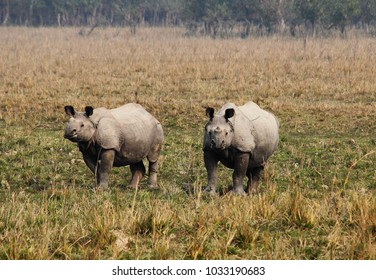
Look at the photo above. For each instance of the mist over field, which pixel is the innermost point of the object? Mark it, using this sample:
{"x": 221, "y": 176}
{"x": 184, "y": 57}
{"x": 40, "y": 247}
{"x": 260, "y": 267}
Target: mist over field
{"x": 316, "y": 196}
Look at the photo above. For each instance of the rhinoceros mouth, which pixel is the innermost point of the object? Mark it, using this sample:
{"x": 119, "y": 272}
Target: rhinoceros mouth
{"x": 218, "y": 149}
{"x": 71, "y": 137}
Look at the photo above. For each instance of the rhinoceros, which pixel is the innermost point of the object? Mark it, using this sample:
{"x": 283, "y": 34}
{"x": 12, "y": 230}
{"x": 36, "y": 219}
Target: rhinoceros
{"x": 116, "y": 137}
{"x": 241, "y": 138}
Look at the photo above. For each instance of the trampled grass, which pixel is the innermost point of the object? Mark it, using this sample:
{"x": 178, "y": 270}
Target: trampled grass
{"x": 317, "y": 194}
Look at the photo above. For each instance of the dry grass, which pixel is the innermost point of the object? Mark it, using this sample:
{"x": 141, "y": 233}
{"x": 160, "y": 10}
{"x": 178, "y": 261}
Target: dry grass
{"x": 317, "y": 198}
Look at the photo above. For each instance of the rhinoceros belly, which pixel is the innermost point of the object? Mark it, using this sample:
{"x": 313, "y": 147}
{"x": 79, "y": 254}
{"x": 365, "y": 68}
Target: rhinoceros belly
{"x": 128, "y": 157}
{"x": 227, "y": 158}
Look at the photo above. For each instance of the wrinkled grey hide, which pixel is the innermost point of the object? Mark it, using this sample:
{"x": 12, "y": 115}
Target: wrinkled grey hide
{"x": 116, "y": 137}
{"x": 242, "y": 138}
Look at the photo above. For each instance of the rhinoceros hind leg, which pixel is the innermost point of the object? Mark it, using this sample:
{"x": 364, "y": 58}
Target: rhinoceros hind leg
{"x": 153, "y": 171}
{"x": 138, "y": 171}
{"x": 253, "y": 179}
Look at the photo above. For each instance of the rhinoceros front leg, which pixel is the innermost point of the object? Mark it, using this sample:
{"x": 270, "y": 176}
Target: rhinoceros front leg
{"x": 89, "y": 159}
{"x": 138, "y": 171}
{"x": 90, "y": 162}
{"x": 104, "y": 169}
{"x": 211, "y": 163}
{"x": 241, "y": 161}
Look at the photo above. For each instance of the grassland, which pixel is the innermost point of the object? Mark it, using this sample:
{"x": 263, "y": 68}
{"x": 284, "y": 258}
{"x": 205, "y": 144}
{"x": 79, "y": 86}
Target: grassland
{"x": 317, "y": 194}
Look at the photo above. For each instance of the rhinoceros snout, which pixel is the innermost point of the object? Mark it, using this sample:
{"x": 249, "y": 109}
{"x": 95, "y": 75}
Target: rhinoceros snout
{"x": 220, "y": 145}
{"x": 70, "y": 134}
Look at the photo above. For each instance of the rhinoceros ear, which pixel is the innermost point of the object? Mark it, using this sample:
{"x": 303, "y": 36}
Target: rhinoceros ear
{"x": 88, "y": 111}
{"x": 210, "y": 112}
{"x": 229, "y": 113}
{"x": 69, "y": 110}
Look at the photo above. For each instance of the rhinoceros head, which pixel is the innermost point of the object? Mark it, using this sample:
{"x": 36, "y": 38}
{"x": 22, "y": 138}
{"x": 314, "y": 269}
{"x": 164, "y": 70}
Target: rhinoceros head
{"x": 219, "y": 131}
{"x": 79, "y": 128}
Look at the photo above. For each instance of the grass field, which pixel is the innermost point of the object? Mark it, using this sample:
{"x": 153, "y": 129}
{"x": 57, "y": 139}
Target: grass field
{"x": 317, "y": 196}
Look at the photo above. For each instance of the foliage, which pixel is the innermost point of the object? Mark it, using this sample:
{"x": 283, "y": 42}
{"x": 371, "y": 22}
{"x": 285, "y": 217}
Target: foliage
{"x": 217, "y": 18}
{"x": 308, "y": 10}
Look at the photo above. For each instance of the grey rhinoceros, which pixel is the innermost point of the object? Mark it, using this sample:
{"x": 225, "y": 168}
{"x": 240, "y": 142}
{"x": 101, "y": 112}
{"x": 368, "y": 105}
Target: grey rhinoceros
{"x": 116, "y": 137}
{"x": 242, "y": 138}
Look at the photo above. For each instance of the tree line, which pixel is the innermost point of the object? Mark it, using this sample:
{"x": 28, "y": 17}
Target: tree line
{"x": 217, "y": 18}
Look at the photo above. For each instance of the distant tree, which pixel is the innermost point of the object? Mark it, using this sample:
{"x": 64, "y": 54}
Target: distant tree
{"x": 216, "y": 18}
{"x": 272, "y": 14}
{"x": 172, "y": 11}
{"x": 367, "y": 12}
{"x": 338, "y": 13}
{"x": 247, "y": 13}
{"x": 112, "y": 12}
{"x": 162, "y": 12}
{"x": 4, "y": 8}
{"x": 308, "y": 11}
{"x": 194, "y": 10}
{"x": 133, "y": 11}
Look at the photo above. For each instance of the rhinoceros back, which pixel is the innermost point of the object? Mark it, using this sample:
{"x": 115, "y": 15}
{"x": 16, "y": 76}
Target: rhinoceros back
{"x": 140, "y": 130}
{"x": 129, "y": 129}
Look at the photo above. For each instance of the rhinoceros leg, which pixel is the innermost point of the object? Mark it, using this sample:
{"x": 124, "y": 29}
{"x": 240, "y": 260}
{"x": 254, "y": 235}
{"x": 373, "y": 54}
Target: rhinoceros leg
{"x": 253, "y": 179}
{"x": 240, "y": 169}
{"x": 138, "y": 171}
{"x": 90, "y": 162}
{"x": 153, "y": 157}
{"x": 106, "y": 161}
{"x": 211, "y": 163}
{"x": 89, "y": 158}
{"x": 153, "y": 170}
